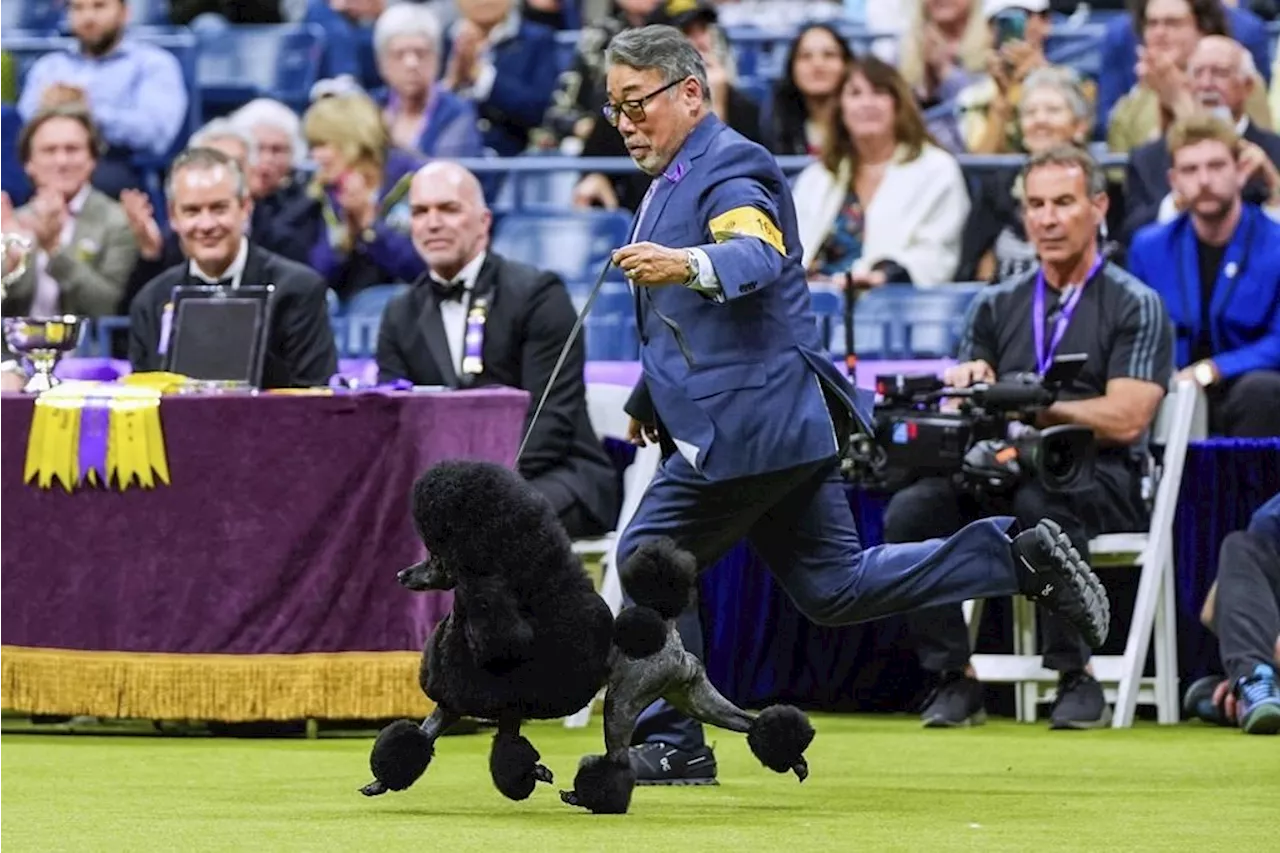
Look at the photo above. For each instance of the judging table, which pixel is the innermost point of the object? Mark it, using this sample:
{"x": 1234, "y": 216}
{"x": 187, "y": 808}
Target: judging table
{"x": 259, "y": 584}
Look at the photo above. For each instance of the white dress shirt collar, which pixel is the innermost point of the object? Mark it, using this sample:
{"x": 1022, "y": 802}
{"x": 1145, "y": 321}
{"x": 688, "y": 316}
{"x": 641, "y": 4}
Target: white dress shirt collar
{"x": 234, "y": 272}
{"x": 467, "y": 275}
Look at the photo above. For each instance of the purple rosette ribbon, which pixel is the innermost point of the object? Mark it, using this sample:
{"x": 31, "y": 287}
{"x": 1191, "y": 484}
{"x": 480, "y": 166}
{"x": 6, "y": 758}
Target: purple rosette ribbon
{"x": 350, "y": 383}
{"x": 95, "y": 427}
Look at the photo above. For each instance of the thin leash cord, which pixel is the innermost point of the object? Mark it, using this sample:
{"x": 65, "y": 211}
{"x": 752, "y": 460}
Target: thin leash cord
{"x": 564, "y": 353}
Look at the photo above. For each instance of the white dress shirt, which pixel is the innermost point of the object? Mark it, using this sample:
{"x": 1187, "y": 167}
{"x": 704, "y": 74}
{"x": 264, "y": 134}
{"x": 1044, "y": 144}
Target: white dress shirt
{"x": 453, "y": 313}
{"x": 48, "y": 295}
{"x": 234, "y": 272}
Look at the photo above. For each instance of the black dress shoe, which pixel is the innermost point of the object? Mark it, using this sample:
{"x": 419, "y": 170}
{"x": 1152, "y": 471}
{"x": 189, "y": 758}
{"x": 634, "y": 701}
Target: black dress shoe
{"x": 1052, "y": 572}
{"x": 660, "y": 764}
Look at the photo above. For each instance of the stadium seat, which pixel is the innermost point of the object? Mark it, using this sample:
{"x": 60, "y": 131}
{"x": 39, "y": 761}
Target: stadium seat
{"x": 899, "y": 321}
{"x": 36, "y": 17}
{"x": 572, "y": 244}
{"x": 363, "y": 316}
{"x": 240, "y": 63}
{"x": 1155, "y": 608}
{"x": 610, "y": 329}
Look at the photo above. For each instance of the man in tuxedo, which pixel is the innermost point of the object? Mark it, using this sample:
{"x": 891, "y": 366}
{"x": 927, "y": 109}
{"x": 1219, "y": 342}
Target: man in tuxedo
{"x": 1221, "y": 76}
{"x": 208, "y": 206}
{"x": 478, "y": 319}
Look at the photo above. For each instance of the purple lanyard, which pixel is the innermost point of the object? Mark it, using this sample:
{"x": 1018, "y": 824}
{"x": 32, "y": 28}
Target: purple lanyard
{"x": 1044, "y": 355}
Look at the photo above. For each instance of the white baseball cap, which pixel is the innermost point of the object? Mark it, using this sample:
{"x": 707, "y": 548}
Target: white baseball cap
{"x": 991, "y": 8}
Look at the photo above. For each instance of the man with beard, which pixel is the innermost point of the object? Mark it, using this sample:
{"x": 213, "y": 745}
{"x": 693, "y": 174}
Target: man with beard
{"x": 134, "y": 91}
{"x": 1218, "y": 268}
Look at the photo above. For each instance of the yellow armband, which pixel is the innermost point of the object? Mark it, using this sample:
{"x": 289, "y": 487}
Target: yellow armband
{"x": 747, "y": 222}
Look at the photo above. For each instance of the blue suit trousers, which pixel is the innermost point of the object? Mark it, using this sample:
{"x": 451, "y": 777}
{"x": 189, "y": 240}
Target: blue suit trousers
{"x": 799, "y": 521}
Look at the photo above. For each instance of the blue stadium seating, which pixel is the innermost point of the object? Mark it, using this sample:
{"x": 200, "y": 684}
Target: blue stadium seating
{"x": 40, "y": 17}
{"x": 572, "y": 244}
{"x": 12, "y": 178}
{"x": 240, "y": 63}
{"x": 609, "y": 331}
{"x": 362, "y": 317}
{"x": 899, "y": 321}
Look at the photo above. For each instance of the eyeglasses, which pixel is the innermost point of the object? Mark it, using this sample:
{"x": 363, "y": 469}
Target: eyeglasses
{"x": 634, "y": 108}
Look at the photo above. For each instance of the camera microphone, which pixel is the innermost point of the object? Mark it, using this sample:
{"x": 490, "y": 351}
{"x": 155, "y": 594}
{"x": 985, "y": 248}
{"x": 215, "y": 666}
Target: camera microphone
{"x": 1011, "y": 395}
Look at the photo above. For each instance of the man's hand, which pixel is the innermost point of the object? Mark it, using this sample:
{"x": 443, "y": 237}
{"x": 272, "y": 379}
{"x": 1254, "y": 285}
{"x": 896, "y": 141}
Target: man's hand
{"x": 642, "y": 435}
{"x": 50, "y": 215}
{"x": 356, "y": 198}
{"x": 1188, "y": 374}
{"x": 8, "y": 221}
{"x": 718, "y": 82}
{"x": 868, "y": 279}
{"x": 651, "y": 265}
{"x": 968, "y": 373}
{"x": 467, "y": 42}
{"x": 1253, "y": 161}
{"x": 594, "y": 189}
{"x": 60, "y": 94}
{"x": 142, "y": 222}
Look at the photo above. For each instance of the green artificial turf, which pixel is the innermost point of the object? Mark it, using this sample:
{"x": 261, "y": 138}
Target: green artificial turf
{"x": 877, "y": 783}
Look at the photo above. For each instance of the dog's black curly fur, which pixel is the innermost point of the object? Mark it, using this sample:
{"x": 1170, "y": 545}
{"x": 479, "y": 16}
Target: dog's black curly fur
{"x": 639, "y": 632}
{"x": 779, "y": 736}
{"x": 661, "y": 576}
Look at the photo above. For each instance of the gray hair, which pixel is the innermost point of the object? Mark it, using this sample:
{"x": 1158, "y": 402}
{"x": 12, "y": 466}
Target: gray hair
{"x": 206, "y": 159}
{"x": 1066, "y": 82}
{"x": 661, "y": 47}
{"x": 273, "y": 114}
{"x": 223, "y": 128}
{"x": 406, "y": 19}
{"x": 1095, "y": 179}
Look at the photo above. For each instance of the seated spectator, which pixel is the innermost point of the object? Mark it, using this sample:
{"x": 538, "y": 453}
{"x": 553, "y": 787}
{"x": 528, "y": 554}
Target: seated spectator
{"x": 944, "y": 50}
{"x": 504, "y": 65}
{"x": 420, "y": 115}
{"x": 183, "y": 12}
{"x": 698, "y": 22}
{"x": 362, "y": 184}
{"x": 1117, "y": 70}
{"x": 1171, "y": 29}
{"x": 209, "y": 208}
{"x": 806, "y": 99}
{"x": 134, "y": 90}
{"x": 556, "y": 14}
{"x": 1221, "y": 78}
{"x": 523, "y": 317}
{"x": 1053, "y": 111}
{"x": 347, "y": 47}
{"x": 884, "y": 203}
{"x": 84, "y": 250}
{"x": 1217, "y": 265}
{"x": 579, "y": 94}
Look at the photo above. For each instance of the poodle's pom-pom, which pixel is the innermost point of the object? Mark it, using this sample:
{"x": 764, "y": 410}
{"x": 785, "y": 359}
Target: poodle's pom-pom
{"x": 660, "y": 575}
{"x": 401, "y": 755}
{"x": 602, "y": 786}
{"x": 640, "y": 632}
{"x": 779, "y": 737}
{"x": 514, "y": 767}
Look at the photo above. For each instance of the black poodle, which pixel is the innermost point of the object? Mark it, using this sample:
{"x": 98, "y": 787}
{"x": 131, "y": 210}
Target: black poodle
{"x": 528, "y": 638}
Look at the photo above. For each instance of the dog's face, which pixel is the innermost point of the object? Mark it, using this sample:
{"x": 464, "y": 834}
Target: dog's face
{"x": 430, "y": 573}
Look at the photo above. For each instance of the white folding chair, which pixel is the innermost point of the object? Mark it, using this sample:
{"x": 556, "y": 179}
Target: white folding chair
{"x": 605, "y": 405}
{"x": 1179, "y": 420}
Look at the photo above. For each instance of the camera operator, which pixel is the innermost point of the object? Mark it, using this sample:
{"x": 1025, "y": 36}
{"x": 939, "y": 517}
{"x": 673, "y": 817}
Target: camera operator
{"x": 1076, "y": 302}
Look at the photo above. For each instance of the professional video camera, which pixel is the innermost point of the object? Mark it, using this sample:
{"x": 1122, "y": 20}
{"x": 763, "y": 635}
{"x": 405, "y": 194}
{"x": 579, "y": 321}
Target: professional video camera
{"x": 987, "y": 444}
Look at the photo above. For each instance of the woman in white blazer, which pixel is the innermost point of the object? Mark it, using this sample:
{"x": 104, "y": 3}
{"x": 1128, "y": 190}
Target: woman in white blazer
{"x": 884, "y": 202}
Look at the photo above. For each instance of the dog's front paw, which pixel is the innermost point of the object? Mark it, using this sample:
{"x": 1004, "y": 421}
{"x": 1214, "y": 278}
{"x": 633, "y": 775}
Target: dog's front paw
{"x": 602, "y": 786}
{"x": 374, "y": 788}
{"x": 543, "y": 774}
{"x": 514, "y": 767}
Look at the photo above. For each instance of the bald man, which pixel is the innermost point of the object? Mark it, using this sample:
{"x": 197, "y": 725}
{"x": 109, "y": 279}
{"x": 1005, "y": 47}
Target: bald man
{"x": 477, "y": 319}
{"x": 1222, "y": 78}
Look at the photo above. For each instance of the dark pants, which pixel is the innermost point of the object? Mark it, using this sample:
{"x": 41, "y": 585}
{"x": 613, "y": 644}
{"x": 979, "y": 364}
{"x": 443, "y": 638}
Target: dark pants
{"x": 578, "y": 521}
{"x": 935, "y": 507}
{"x": 799, "y": 521}
{"x": 1247, "y": 406}
{"x": 1247, "y": 611}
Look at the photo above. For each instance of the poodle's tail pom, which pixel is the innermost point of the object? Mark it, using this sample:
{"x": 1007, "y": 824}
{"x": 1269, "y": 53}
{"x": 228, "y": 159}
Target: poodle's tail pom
{"x": 660, "y": 575}
{"x": 401, "y": 754}
{"x": 779, "y": 737}
{"x": 640, "y": 632}
{"x": 602, "y": 786}
{"x": 514, "y": 767}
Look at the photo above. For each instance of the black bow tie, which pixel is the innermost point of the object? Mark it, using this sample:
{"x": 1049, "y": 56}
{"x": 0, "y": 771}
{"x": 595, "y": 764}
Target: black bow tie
{"x": 451, "y": 292}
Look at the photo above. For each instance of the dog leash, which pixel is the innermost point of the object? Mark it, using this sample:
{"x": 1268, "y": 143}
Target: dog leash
{"x": 564, "y": 352}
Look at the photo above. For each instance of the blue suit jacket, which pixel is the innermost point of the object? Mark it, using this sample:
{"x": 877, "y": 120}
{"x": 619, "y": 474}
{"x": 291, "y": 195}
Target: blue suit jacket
{"x": 745, "y": 392}
{"x": 1244, "y": 315}
{"x": 1266, "y": 521}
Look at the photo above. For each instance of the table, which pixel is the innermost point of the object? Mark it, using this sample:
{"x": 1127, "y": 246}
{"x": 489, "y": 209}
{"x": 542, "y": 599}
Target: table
{"x": 261, "y": 583}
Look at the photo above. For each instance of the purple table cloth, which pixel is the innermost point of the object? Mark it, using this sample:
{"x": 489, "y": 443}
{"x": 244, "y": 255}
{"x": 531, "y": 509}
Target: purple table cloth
{"x": 282, "y": 531}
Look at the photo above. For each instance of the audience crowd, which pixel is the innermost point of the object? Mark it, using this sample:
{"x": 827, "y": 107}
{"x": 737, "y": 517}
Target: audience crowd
{"x": 356, "y": 190}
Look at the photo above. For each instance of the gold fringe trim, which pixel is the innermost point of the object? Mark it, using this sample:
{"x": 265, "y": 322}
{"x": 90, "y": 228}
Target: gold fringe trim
{"x": 228, "y": 688}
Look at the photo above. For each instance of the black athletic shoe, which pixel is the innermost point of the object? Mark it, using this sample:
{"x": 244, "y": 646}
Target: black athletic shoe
{"x": 1199, "y": 704}
{"x": 660, "y": 764}
{"x": 1052, "y": 572}
{"x": 1081, "y": 703}
{"x": 956, "y": 702}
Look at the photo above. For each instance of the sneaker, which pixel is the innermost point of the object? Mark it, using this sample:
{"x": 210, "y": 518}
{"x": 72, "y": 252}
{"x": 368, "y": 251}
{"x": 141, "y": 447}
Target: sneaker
{"x": 1053, "y": 573}
{"x": 1198, "y": 702}
{"x": 1080, "y": 703}
{"x": 955, "y": 703}
{"x": 1259, "y": 698}
{"x": 660, "y": 764}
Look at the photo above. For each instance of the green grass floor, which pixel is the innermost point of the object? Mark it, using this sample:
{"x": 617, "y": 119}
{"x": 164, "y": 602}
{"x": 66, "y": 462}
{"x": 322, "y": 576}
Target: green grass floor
{"x": 878, "y": 783}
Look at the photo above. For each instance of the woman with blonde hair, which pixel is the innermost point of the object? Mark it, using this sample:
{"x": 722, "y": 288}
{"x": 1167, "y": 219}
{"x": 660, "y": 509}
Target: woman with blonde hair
{"x": 944, "y": 49}
{"x": 884, "y": 203}
{"x": 362, "y": 184}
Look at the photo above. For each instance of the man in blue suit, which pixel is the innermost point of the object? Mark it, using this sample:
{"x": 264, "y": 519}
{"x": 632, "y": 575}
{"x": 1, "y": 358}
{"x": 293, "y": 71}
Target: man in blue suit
{"x": 753, "y": 413}
{"x": 1217, "y": 266}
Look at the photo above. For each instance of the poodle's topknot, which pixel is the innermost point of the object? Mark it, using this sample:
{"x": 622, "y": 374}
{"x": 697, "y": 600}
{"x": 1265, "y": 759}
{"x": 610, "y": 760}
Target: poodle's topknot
{"x": 660, "y": 575}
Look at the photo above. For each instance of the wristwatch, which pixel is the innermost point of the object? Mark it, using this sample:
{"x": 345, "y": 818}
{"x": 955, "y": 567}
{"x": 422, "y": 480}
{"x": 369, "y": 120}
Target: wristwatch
{"x": 694, "y": 270}
{"x": 1203, "y": 373}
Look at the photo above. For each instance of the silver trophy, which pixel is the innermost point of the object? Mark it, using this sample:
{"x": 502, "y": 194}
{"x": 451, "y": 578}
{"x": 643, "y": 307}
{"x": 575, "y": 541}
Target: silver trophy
{"x": 41, "y": 341}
